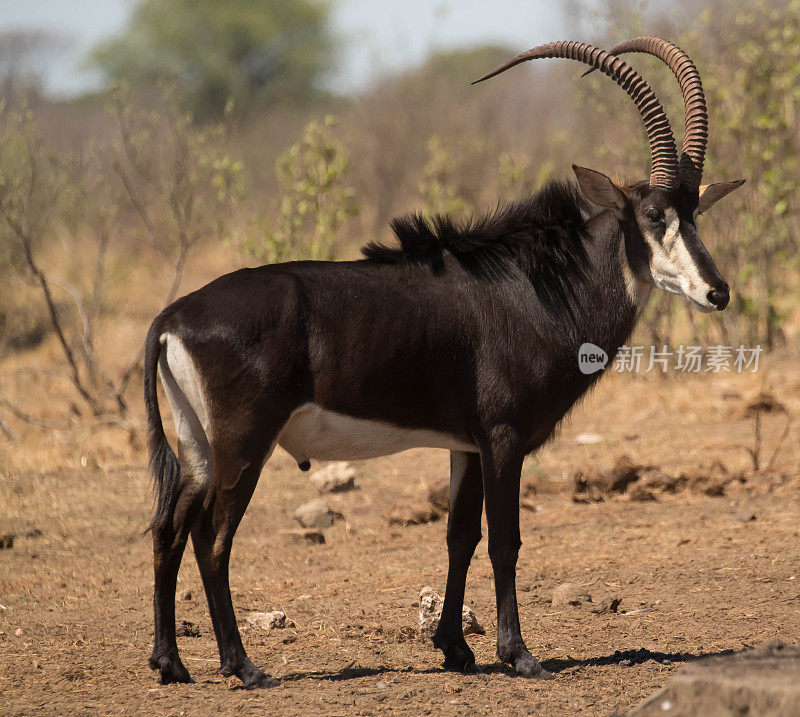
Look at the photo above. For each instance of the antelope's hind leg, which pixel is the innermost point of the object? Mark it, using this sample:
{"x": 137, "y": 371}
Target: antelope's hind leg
{"x": 171, "y": 526}
{"x": 169, "y": 541}
{"x": 463, "y": 535}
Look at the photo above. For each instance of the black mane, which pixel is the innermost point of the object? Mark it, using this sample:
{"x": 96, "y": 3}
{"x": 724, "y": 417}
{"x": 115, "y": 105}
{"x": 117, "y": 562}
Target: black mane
{"x": 543, "y": 235}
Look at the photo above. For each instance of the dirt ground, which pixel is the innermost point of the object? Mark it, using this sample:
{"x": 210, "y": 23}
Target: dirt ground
{"x": 75, "y": 601}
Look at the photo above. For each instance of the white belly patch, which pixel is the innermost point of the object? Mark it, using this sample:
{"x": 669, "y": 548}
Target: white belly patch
{"x": 314, "y": 432}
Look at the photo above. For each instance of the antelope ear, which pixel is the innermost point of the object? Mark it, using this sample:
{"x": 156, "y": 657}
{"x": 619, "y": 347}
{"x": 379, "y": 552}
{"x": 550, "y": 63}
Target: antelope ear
{"x": 710, "y": 194}
{"x": 598, "y": 188}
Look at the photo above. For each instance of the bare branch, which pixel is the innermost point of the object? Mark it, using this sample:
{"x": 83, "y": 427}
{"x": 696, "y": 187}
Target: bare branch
{"x": 86, "y": 334}
{"x": 779, "y": 445}
{"x": 10, "y": 435}
{"x": 32, "y": 420}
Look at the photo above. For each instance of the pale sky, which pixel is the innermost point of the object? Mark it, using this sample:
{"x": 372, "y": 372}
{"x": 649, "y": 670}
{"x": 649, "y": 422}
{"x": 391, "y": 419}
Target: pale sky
{"x": 379, "y": 35}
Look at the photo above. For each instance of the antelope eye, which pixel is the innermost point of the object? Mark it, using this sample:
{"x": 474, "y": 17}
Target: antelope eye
{"x": 653, "y": 215}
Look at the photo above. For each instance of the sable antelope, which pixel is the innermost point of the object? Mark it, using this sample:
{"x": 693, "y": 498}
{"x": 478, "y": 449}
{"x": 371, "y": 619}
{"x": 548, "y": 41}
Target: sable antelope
{"x": 465, "y": 337}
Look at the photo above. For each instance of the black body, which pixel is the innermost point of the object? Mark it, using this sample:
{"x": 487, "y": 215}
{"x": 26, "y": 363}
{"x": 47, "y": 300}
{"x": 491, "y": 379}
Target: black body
{"x": 472, "y": 332}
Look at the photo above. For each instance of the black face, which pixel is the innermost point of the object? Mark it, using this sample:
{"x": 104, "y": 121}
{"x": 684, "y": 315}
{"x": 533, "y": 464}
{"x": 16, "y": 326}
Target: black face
{"x": 665, "y": 249}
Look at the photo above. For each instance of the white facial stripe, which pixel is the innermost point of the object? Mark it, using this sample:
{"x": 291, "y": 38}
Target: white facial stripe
{"x": 638, "y": 291}
{"x": 673, "y": 267}
{"x": 673, "y": 232}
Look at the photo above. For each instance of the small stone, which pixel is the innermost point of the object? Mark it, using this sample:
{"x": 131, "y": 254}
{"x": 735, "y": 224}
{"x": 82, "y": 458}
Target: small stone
{"x": 586, "y": 439}
{"x": 624, "y": 472}
{"x": 640, "y": 494}
{"x": 570, "y": 594}
{"x": 32, "y": 533}
{"x": 430, "y": 612}
{"x": 6, "y": 541}
{"x": 314, "y": 514}
{"x": 334, "y": 478}
{"x": 709, "y": 480}
{"x": 626, "y": 663}
{"x": 410, "y": 513}
{"x": 745, "y": 517}
{"x": 654, "y": 479}
{"x": 19, "y": 632}
{"x": 314, "y": 536}
{"x": 275, "y": 620}
{"x": 439, "y": 495}
{"x": 187, "y": 629}
{"x": 607, "y": 606}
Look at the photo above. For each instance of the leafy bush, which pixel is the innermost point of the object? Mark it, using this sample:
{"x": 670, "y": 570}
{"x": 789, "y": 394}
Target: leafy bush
{"x": 315, "y": 202}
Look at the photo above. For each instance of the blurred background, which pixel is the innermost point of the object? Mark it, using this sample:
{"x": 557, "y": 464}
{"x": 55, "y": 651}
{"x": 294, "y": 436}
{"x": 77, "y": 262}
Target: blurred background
{"x": 147, "y": 147}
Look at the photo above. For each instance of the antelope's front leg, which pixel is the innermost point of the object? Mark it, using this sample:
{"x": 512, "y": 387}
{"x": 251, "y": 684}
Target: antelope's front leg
{"x": 463, "y": 534}
{"x": 501, "y": 461}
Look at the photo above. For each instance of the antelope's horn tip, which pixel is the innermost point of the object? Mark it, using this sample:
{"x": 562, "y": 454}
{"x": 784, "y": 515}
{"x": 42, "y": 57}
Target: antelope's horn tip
{"x": 487, "y": 76}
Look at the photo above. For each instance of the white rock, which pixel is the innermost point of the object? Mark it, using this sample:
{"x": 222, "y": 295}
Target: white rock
{"x": 269, "y": 620}
{"x": 585, "y": 439}
{"x": 570, "y": 594}
{"x": 430, "y": 612}
{"x": 334, "y": 478}
{"x": 314, "y": 514}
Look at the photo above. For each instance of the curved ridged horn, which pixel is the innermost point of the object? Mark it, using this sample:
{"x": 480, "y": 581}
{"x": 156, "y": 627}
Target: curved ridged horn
{"x": 664, "y": 171}
{"x": 695, "y": 134}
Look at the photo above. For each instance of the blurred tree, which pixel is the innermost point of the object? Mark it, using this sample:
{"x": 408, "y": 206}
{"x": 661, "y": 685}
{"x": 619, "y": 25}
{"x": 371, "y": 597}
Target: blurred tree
{"x": 24, "y": 58}
{"x": 244, "y": 50}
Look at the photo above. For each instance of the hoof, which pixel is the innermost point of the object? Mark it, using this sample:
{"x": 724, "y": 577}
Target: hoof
{"x": 252, "y": 678}
{"x": 457, "y": 657}
{"x": 170, "y": 669}
{"x": 465, "y": 668}
{"x": 526, "y": 666}
{"x": 260, "y": 681}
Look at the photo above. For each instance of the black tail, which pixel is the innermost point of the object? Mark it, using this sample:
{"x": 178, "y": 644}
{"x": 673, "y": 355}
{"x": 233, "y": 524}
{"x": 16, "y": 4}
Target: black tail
{"x": 164, "y": 464}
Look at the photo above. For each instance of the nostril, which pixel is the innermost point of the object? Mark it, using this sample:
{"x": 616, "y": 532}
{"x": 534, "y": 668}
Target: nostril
{"x": 719, "y": 297}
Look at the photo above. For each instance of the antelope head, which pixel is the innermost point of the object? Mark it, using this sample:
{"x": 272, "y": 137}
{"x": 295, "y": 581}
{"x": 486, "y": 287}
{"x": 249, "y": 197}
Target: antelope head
{"x": 658, "y": 216}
